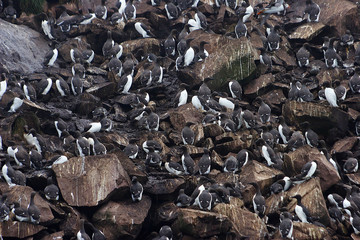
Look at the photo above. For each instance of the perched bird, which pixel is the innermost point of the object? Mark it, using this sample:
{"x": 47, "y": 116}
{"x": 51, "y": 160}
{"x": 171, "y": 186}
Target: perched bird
{"x": 312, "y": 10}
{"x": 29, "y": 91}
{"x": 97, "y": 234}
{"x": 143, "y": 30}
{"x": 311, "y": 137}
{"x": 275, "y": 7}
{"x": 33, "y": 210}
{"x": 231, "y": 164}
{"x": 248, "y": 118}
{"x": 273, "y": 39}
{"x": 187, "y": 162}
{"x": 101, "y": 12}
{"x": 174, "y": 167}
{"x": 258, "y": 201}
{"x": 77, "y": 85}
{"x": 202, "y": 198}
{"x": 62, "y": 87}
{"x": 51, "y": 191}
{"x": 264, "y": 112}
{"x": 14, "y": 104}
{"x": 183, "y": 200}
{"x": 170, "y": 43}
{"x": 240, "y": 27}
{"x": 82, "y": 145}
{"x": 50, "y": 57}
{"x": 81, "y": 234}
{"x": 44, "y": 86}
{"x": 286, "y": 227}
{"x": 21, "y": 214}
{"x": 242, "y": 157}
{"x": 340, "y": 90}
{"x": 284, "y": 130}
{"x": 4, "y": 209}
{"x": 330, "y": 94}
{"x": 96, "y": 147}
{"x": 235, "y": 89}
{"x": 265, "y": 58}
{"x": 131, "y": 150}
{"x": 332, "y": 59}
{"x": 172, "y": 11}
{"x": 108, "y": 45}
{"x": 136, "y": 189}
{"x": 351, "y": 165}
{"x": 130, "y": 10}
{"x": 10, "y": 12}
{"x": 166, "y": 231}
{"x": 301, "y": 211}
{"x": 182, "y": 96}
{"x": 354, "y": 82}
{"x": 303, "y": 56}
{"x": 187, "y": 134}
{"x": 204, "y": 163}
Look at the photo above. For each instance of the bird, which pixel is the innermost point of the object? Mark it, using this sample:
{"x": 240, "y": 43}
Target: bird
{"x": 284, "y": 130}
{"x": 301, "y": 211}
{"x": 189, "y": 53}
{"x": 62, "y": 87}
{"x": 101, "y": 12}
{"x": 50, "y": 57}
{"x": 130, "y": 10}
{"x": 29, "y": 91}
{"x": 96, "y": 147}
{"x": 44, "y": 86}
{"x": 202, "y": 198}
{"x": 265, "y": 58}
{"x": 235, "y": 89}
{"x": 351, "y": 165}
{"x": 332, "y": 59}
{"x": 131, "y": 150}
{"x": 174, "y": 167}
{"x": 286, "y": 227}
{"x": 354, "y": 82}
{"x": 340, "y": 90}
{"x": 330, "y": 94}
{"x": 303, "y": 55}
{"x": 170, "y": 43}
{"x": 264, "y": 111}
{"x": 4, "y": 209}
{"x": 20, "y": 155}
{"x": 81, "y": 234}
{"x": 311, "y": 137}
{"x": 108, "y": 45}
{"x": 82, "y": 145}
{"x": 21, "y": 214}
{"x": 183, "y": 200}
{"x": 166, "y": 231}
{"x": 51, "y": 191}
{"x": 157, "y": 71}
{"x": 14, "y": 104}
{"x": 125, "y": 84}
{"x": 275, "y": 7}
{"x": 248, "y": 118}
{"x": 136, "y": 190}
{"x": 187, "y": 161}
{"x": 97, "y": 234}
{"x": 10, "y": 11}
{"x": 231, "y": 164}
{"x": 273, "y": 39}
{"x": 35, "y": 139}
{"x": 187, "y": 134}
{"x": 77, "y": 85}
{"x": 296, "y": 141}
{"x": 11, "y": 176}
{"x": 172, "y": 11}
{"x": 60, "y": 126}
{"x": 143, "y": 30}
{"x": 242, "y": 157}
{"x": 182, "y": 95}
{"x": 33, "y": 210}
{"x": 204, "y": 163}
{"x": 240, "y": 27}
{"x": 258, "y": 201}
{"x": 312, "y": 10}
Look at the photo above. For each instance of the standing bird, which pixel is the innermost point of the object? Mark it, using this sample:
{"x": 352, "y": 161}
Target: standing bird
{"x": 130, "y": 11}
{"x": 187, "y": 134}
{"x": 81, "y": 234}
{"x": 204, "y": 163}
{"x": 14, "y": 104}
{"x": 33, "y": 210}
{"x": 62, "y": 87}
{"x": 273, "y": 39}
{"x": 51, "y": 191}
{"x": 312, "y": 10}
{"x": 240, "y": 28}
{"x": 235, "y": 89}
{"x": 264, "y": 111}
{"x": 170, "y": 43}
{"x": 189, "y": 54}
{"x": 82, "y": 145}
{"x": 182, "y": 96}
{"x": 284, "y": 130}
{"x": 301, "y": 211}
{"x": 77, "y": 85}
{"x": 172, "y": 11}
{"x": 131, "y": 150}
{"x": 108, "y": 45}
{"x": 50, "y": 57}
{"x": 311, "y": 137}
{"x": 332, "y": 59}
{"x": 354, "y": 82}
{"x": 286, "y": 227}
{"x": 183, "y": 200}
{"x": 265, "y": 59}
{"x": 330, "y": 94}
{"x": 136, "y": 190}
{"x": 143, "y": 30}
{"x": 231, "y": 164}
{"x": 258, "y": 201}
{"x": 10, "y": 11}
{"x": 303, "y": 56}
{"x": 187, "y": 161}
{"x": 44, "y": 86}
{"x": 340, "y": 90}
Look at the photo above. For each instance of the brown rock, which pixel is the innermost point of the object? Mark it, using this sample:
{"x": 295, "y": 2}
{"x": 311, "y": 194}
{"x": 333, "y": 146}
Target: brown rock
{"x": 90, "y": 181}
{"x": 322, "y": 117}
{"x": 228, "y": 59}
{"x": 345, "y": 144}
{"x": 19, "y": 230}
{"x": 162, "y": 186}
{"x": 71, "y": 224}
{"x": 294, "y": 161}
{"x": 87, "y": 103}
{"x": 274, "y": 203}
{"x": 23, "y": 192}
{"x": 167, "y": 212}
{"x": 259, "y": 85}
{"x": 353, "y": 102}
{"x": 149, "y": 45}
{"x": 196, "y": 223}
{"x": 312, "y": 198}
{"x": 183, "y": 114}
{"x": 54, "y": 236}
{"x": 213, "y": 130}
{"x": 307, "y": 31}
{"x": 122, "y": 220}
{"x": 244, "y": 222}
{"x": 327, "y": 75}
{"x": 130, "y": 167}
{"x": 275, "y": 97}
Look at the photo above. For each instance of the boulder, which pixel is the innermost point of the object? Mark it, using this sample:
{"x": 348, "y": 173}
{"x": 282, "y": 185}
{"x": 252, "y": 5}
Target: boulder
{"x": 183, "y": 114}
{"x": 312, "y": 198}
{"x": 307, "y": 31}
{"x": 201, "y": 224}
{"x": 89, "y": 181}
{"x": 213, "y": 130}
{"x": 158, "y": 186}
{"x": 294, "y": 161}
{"x": 228, "y": 59}
{"x": 54, "y": 236}
{"x": 149, "y": 45}
{"x": 322, "y": 117}
{"x": 345, "y": 144}
{"x": 22, "y": 49}
{"x": 122, "y": 220}
{"x": 23, "y": 193}
{"x": 259, "y": 85}
{"x": 102, "y": 90}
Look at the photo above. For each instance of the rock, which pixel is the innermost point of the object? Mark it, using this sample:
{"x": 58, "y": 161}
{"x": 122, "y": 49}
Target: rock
{"x": 166, "y": 212}
{"x": 157, "y": 186}
{"x": 122, "y": 220}
{"x": 23, "y": 192}
{"x": 321, "y": 117}
{"x": 345, "y": 144}
{"x": 149, "y": 45}
{"x": 54, "y": 236}
{"x": 195, "y": 223}
{"x": 130, "y": 167}
{"x": 353, "y": 102}
{"x": 87, "y": 104}
{"x": 259, "y": 85}
{"x": 327, "y": 75}
{"x": 71, "y": 224}
{"x": 312, "y": 198}
{"x": 102, "y": 90}
{"x": 257, "y": 172}
{"x": 90, "y": 181}
{"x": 294, "y": 161}
{"x": 19, "y": 230}
{"x": 307, "y": 31}
{"x": 22, "y": 49}
{"x": 183, "y": 114}
{"x": 228, "y": 59}
{"x": 213, "y": 130}
{"x": 246, "y": 223}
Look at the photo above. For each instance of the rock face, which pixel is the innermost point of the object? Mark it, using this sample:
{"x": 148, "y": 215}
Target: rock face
{"x": 122, "y": 220}
{"x": 88, "y": 181}
{"x": 307, "y": 31}
{"x": 228, "y": 59}
{"x": 294, "y": 161}
{"x": 23, "y": 53}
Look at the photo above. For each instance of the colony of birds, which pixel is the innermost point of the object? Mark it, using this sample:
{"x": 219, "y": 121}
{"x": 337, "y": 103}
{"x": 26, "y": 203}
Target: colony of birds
{"x": 138, "y": 110}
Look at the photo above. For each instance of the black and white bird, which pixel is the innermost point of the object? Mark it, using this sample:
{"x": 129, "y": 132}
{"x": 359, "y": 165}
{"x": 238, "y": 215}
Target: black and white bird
{"x": 81, "y": 234}
{"x": 10, "y": 12}
{"x": 183, "y": 200}
{"x": 115, "y": 66}
{"x": 202, "y": 198}
{"x": 35, "y": 139}
{"x": 330, "y": 94}
{"x": 303, "y": 56}
{"x": 265, "y": 59}
{"x": 284, "y": 130}
{"x": 182, "y": 96}
{"x": 235, "y": 89}
{"x": 33, "y": 210}
{"x": 4, "y": 209}
{"x": 264, "y": 112}
{"x": 29, "y": 91}
{"x": 286, "y": 227}
{"x": 143, "y": 30}
{"x": 204, "y": 163}
{"x": 248, "y": 118}
{"x": 240, "y": 27}
{"x": 189, "y": 53}
{"x": 301, "y": 211}
{"x": 174, "y": 167}
{"x": 340, "y": 90}
{"x": 21, "y": 214}
{"x": 14, "y": 104}
{"x": 170, "y": 43}
{"x": 11, "y": 176}
{"x": 153, "y": 159}
{"x": 354, "y": 82}
{"x": 108, "y": 45}
{"x": 296, "y": 141}
{"x": 157, "y": 71}
{"x": 62, "y": 87}
{"x": 172, "y": 11}
{"x": 152, "y": 121}
{"x": 50, "y": 57}
{"x": 78, "y": 68}
{"x": 307, "y": 172}
{"x": 82, "y": 145}
{"x": 242, "y": 157}
{"x": 101, "y": 12}
{"x": 258, "y": 201}
{"x": 130, "y": 11}
{"x": 166, "y": 231}
{"x": 20, "y": 155}
{"x": 96, "y": 147}
{"x": 131, "y": 150}
{"x": 351, "y": 165}
{"x": 187, "y": 162}
{"x": 187, "y": 134}
{"x": 273, "y": 39}
{"x": 125, "y": 84}
{"x": 231, "y": 164}
{"x": 77, "y": 85}
{"x": 136, "y": 190}
{"x": 312, "y": 10}
{"x": 332, "y": 59}
{"x": 51, "y": 191}
{"x": 44, "y": 86}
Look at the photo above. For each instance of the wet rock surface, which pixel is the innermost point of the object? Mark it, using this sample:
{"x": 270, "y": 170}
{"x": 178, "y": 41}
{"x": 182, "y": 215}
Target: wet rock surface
{"x": 138, "y": 140}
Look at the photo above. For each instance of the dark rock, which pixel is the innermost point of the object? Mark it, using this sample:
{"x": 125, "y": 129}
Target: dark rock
{"x": 162, "y": 186}
{"x": 27, "y": 49}
{"x": 345, "y": 144}
{"x": 90, "y": 181}
{"x": 102, "y": 90}
{"x": 122, "y": 219}
{"x": 183, "y": 114}
{"x": 19, "y": 230}
{"x": 213, "y": 130}
{"x": 259, "y": 85}
{"x": 56, "y": 235}
{"x": 322, "y": 117}
{"x": 149, "y": 45}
